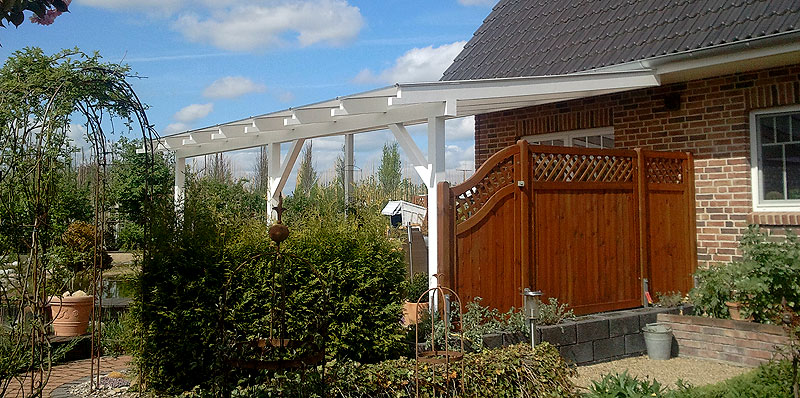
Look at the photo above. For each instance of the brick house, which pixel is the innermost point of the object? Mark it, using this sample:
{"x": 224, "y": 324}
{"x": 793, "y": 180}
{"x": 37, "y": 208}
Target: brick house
{"x": 729, "y": 93}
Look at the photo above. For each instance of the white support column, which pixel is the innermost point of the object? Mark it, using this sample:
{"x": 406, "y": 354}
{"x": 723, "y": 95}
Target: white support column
{"x": 349, "y": 165}
{"x": 180, "y": 180}
{"x": 279, "y": 171}
{"x": 274, "y": 176}
{"x": 436, "y": 146}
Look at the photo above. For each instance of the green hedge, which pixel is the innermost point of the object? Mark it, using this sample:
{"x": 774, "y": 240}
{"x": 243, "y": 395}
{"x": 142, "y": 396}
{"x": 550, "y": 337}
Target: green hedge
{"x": 215, "y": 252}
{"x": 515, "y": 371}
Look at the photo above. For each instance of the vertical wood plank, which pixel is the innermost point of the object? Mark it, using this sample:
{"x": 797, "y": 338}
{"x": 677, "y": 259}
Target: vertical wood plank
{"x": 641, "y": 227}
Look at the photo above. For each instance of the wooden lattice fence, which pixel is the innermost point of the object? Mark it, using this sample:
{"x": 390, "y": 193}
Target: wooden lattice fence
{"x": 584, "y": 225}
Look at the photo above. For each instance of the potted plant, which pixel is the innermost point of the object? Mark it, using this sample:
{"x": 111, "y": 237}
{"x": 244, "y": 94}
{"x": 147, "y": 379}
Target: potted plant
{"x": 70, "y": 313}
{"x": 414, "y": 303}
{"x": 70, "y": 262}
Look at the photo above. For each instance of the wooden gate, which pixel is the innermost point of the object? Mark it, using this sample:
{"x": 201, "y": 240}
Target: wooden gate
{"x": 583, "y": 225}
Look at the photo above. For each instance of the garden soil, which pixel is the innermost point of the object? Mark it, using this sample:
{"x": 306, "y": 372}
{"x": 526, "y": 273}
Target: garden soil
{"x": 696, "y": 372}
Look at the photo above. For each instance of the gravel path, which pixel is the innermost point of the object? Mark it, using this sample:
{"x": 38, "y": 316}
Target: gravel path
{"x": 695, "y": 371}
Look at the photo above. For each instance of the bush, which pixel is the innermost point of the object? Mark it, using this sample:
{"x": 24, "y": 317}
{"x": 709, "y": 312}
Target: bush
{"x": 187, "y": 325}
{"x": 513, "y": 371}
{"x": 553, "y": 313}
{"x": 623, "y": 385}
{"x": 479, "y": 321}
{"x": 416, "y": 287}
{"x": 768, "y": 272}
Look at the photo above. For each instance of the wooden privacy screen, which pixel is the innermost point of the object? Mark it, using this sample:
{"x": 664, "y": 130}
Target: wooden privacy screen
{"x": 583, "y": 225}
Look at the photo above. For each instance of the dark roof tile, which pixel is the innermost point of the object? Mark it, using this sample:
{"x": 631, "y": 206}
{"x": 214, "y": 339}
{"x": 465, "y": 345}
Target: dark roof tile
{"x": 547, "y": 37}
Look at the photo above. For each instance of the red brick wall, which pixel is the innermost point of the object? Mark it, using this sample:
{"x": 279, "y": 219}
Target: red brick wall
{"x": 741, "y": 342}
{"x": 711, "y": 121}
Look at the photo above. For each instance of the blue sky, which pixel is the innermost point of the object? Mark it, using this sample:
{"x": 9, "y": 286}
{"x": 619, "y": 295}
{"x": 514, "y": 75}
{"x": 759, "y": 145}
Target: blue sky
{"x": 212, "y": 61}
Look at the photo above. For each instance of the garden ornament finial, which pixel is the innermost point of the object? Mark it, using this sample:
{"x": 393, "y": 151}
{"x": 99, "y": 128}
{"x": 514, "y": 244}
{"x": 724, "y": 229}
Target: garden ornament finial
{"x": 279, "y": 232}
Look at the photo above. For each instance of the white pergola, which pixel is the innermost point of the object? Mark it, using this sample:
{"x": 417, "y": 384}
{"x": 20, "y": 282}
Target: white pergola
{"x": 393, "y": 108}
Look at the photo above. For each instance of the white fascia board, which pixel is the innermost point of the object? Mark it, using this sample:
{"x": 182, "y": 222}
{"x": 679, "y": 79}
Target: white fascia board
{"x": 412, "y": 114}
{"x": 527, "y": 86}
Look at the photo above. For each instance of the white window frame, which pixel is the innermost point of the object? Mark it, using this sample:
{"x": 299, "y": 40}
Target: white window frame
{"x": 567, "y": 136}
{"x": 755, "y": 162}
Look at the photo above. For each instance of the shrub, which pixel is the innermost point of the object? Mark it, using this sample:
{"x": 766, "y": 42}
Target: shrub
{"x": 187, "y": 325}
{"x": 553, "y": 313}
{"x": 508, "y": 372}
{"x": 623, "y": 385}
{"x": 416, "y": 287}
{"x": 479, "y": 321}
{"x": 768, "y": 272}
{"x": 669, "y": 299}
{"x": 714, "y": 285}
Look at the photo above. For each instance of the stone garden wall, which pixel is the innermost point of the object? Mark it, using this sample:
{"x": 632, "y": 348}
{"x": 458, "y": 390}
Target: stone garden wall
{"x": 740, "y": 342}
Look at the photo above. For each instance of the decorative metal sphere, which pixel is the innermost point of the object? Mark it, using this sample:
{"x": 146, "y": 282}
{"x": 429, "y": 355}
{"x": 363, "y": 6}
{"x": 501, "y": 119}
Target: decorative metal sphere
{"x": 278, "y": 233}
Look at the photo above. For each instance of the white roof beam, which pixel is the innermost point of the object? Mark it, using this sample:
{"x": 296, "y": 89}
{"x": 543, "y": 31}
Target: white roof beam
{"x": 308, "y": 116}
{"x": 413, "y": 114}
{"x": 360, "y": 106}
{"x": 270, "y": 123}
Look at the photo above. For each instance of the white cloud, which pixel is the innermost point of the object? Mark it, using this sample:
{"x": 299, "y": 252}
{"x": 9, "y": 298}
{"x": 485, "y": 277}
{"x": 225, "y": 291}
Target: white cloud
{"x": 232, "y": 87}
{"x": 477, "y": 2}
{"x": 460, "y": 129}
{"x": 258, "y": 27}
{"x": 285, "y": 96}
{"x": 173, "y": 128}
{"x": 77, "y": 135}
{"x": 416, "y": 65}
{"x": 193, "y": 112}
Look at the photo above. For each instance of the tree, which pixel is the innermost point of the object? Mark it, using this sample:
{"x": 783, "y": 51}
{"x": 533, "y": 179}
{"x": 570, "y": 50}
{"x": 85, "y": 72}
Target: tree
{"x": 389, "y": 172}
{"x": 306, "y": 175}
{"x": 131, "y": 179}
{"x": 261, "y": 180}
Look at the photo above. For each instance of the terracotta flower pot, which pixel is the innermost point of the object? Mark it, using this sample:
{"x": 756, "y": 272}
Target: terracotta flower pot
{"x": 412, "y": 311}
{"x": 735, "y": 307}
{"x": 71, "y": 315}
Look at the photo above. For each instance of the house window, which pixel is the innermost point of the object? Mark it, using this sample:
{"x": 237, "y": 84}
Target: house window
{"x": 601, "y": 138}
{"x": 775, "y": 148}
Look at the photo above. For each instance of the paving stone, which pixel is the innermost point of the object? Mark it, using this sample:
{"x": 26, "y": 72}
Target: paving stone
{"x": 591, "y": 328}
{"x": 579, "y": 353}
{"x": 608, "y": 348}
{"x": 558, "y": 335}
{"x": 634, "y": 344}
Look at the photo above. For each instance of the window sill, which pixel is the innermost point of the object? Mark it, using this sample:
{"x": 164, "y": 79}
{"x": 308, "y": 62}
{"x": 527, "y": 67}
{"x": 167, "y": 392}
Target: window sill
{"x": 774, "y": 218}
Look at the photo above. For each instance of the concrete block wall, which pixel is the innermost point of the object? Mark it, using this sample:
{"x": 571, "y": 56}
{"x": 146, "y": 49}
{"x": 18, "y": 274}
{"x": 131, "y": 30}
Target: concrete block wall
{"x": 711, "y": 121}
{"x": 594, "y": 338}
{"x": 745, "y": 343}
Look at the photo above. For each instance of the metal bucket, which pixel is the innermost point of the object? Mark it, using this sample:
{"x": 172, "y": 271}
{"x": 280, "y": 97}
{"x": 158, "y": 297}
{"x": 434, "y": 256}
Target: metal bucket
{"x": 658, "y": 339}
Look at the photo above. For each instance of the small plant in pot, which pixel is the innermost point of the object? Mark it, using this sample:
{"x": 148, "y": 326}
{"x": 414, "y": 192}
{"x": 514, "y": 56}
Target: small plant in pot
{"x": 70, "y": 262}
{"x": 414, "y": 303}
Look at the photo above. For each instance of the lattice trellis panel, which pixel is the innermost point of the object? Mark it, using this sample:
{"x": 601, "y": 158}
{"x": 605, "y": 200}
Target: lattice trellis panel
{"x": 559, "y": 167}
{"x": 469, "y": 202}
{"x": 664, "y": 170}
